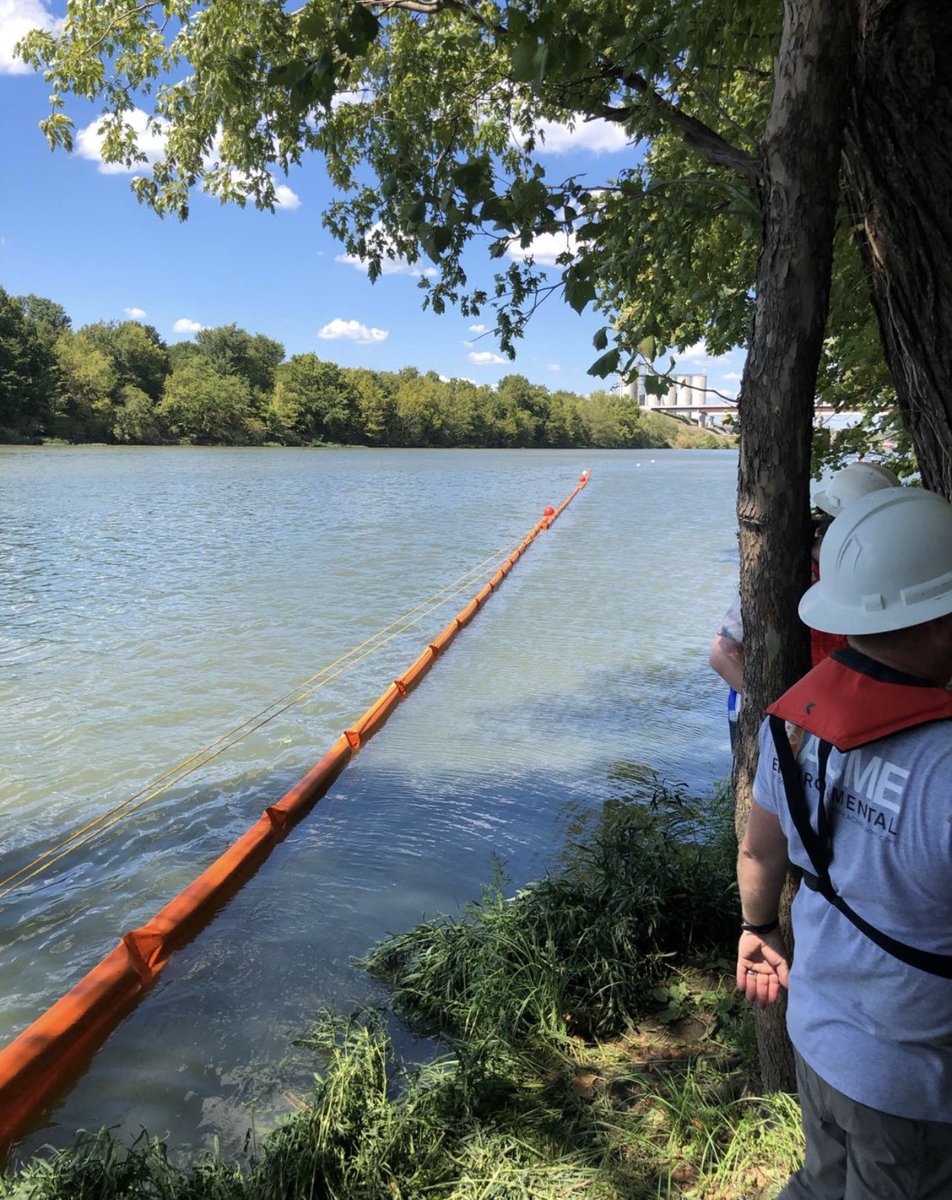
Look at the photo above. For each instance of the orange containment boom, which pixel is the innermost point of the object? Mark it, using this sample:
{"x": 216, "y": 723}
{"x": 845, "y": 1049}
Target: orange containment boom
{"x": 41, "y": 1061}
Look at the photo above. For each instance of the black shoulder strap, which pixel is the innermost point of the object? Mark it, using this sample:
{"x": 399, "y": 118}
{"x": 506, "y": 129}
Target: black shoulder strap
{"x": 818, "y": 844}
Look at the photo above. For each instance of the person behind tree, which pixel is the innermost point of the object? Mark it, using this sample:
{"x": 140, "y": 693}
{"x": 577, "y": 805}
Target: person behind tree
{"x": 726, "y": 657}
{"x": 854, "y": 787}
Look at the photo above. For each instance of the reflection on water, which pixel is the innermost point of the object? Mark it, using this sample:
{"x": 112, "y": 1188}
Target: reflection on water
{"x": 153, "y": 599}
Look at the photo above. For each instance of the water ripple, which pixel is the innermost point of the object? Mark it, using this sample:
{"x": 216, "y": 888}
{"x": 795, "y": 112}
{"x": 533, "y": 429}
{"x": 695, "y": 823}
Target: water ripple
{"x": 153, "y": 599}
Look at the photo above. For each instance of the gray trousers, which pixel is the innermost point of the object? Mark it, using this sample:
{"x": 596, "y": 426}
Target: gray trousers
{"x": 859, "y": 1153}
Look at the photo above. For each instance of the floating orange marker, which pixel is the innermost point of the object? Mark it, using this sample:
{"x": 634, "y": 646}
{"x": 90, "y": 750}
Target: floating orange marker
{"x": 44, "y": 1058}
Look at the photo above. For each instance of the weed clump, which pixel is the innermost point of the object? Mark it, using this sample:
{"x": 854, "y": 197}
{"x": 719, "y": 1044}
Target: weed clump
{"x": 528, "y": 1105}
{"x": 649, "y": 878}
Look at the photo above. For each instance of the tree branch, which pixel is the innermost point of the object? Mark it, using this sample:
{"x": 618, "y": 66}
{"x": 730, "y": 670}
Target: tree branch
{"x": 708, "y": 143}
{"x": 649, "y": 366}
{"x": 427, "y": 7}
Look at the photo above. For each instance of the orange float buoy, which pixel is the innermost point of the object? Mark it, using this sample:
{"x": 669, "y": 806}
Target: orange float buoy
{"x": 40, "y": 1062}
{"x": 548, "y": 511}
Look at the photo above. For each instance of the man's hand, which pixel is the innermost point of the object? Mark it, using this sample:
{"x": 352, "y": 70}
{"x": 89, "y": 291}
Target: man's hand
{"x": 762, "y": 966}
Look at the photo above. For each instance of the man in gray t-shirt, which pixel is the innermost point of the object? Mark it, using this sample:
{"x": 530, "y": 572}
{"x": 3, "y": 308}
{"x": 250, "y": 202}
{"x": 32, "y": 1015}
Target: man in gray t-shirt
{"x": 849, "y": 484}
{"x": 854, "y": 786}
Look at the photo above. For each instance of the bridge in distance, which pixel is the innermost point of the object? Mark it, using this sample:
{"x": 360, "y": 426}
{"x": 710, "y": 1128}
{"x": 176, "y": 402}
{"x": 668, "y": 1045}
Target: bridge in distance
{"x": 702, "y": 411}
{"x": 687, "y": 395}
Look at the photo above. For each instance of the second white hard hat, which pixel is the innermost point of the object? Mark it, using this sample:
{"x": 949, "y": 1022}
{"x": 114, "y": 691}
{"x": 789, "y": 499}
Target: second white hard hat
{"x": 851, "y": 483}
{"x": 885, "y": 564}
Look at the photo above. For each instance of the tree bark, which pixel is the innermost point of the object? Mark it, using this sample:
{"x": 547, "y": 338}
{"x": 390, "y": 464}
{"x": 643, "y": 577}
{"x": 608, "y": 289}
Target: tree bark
{"x": 898, "y": 167}
{"x": 800, "y": 155}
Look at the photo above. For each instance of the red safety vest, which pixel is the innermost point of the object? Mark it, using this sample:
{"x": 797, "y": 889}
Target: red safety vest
{"x": 848, "y": 701}
{"x": 822, "y": 645}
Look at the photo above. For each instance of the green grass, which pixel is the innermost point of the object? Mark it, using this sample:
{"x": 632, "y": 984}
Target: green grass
{"x": 679, "y": 433}
{"x": 580, "y": 951}
{"x": 597, "y": 1048}
{"x": 597, "y": 1123}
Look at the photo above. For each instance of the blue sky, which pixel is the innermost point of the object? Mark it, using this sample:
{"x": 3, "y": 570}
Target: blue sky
{"x": 72, "y": 231}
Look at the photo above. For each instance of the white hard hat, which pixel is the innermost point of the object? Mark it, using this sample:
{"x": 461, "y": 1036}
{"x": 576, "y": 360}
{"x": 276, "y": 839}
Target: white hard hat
{"x": 852, "y": 482}
{"x": 885, "y": 563}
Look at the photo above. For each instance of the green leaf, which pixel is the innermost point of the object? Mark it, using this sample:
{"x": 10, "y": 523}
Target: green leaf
{"x": 316, "y": 83}
{"x": 524, "y": 60}
{"x": 541, "y": 60}
{"x": 606, "y": 365}
{"x": 311, "y": 21}
{"x": 288, "y": 73}
{"x": 441, "y": 237}
{"x": 358, "y": 33}
{"x": 364, "y": 24}
{"x": 497, "y": 210}
{"x": 600, "y": 340}
{"x": 579, "y": 292}
{"x": 472, "y": 178}
{"x": 516, "y": 20}
{"x": 574, "y": 55}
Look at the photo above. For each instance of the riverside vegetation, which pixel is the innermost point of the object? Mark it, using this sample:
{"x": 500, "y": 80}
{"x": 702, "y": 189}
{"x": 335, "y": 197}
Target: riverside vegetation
{"x": 594, "y": 1047}
{"x": 118, "y": 382}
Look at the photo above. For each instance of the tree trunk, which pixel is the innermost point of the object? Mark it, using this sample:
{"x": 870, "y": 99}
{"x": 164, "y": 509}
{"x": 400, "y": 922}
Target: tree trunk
{"x": 800, "y": 156}
{"x": 898, "y": 164}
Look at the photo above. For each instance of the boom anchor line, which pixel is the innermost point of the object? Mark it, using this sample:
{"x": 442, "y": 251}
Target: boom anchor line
{"x": 41, "y": 1061}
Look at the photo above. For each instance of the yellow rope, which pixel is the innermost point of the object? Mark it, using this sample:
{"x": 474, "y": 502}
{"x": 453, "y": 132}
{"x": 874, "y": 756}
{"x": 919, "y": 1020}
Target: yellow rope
{"x": 207, "y": 754}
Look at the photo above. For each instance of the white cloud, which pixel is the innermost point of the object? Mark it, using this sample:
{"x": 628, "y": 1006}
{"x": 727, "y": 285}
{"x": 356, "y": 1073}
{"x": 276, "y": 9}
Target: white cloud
{"x": 17, "y": 18}
{"x": 388, "y": 266}
{"x": 479, "y": 329}
{"x": 354, "y": 96}
{"x": 352, "y": 331}
{"x": 554, "y": 367}
{"x": 483, "y": 358}
{"x": 285, "y": 198}
{"x": 187, "y": 325}
{"x": 545, "y": 248}
{"x": 597, "y": 137}
{"x": 696, "y": 353}
{"x": 391, "y": 263}
{"x": 136, "y": 314}
{"x": 696, "y": 358}
{"x": 151, "y": 142}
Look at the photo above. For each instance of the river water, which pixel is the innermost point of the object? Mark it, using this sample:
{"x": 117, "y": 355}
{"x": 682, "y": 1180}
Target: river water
{"x": 152, "y": 599}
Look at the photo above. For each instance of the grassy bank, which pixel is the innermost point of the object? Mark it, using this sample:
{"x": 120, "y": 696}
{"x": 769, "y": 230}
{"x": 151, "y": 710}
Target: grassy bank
{"x": 594, "y": 1048}
{"x": 679, "y": 433}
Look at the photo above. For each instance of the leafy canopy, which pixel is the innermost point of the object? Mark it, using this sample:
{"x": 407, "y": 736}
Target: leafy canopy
{"x": 431, "y": 117}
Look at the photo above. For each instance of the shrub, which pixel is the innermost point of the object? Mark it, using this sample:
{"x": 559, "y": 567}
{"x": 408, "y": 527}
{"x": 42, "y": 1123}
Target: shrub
{"x": 580, "y": 951}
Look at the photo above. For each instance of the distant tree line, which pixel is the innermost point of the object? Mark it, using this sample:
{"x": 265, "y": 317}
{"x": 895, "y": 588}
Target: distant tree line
{"x": 119, "y": 382}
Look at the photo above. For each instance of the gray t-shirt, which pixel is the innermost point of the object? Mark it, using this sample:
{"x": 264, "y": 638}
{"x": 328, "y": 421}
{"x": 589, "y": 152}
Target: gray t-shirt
{"x": 732, "y": 625}
{"x": 874, "y": 1028}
